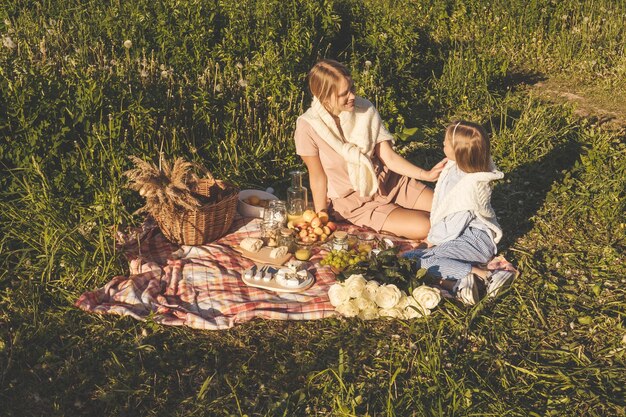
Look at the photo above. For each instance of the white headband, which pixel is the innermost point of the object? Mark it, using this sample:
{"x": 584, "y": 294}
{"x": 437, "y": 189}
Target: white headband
{"x": 454, "y": 131}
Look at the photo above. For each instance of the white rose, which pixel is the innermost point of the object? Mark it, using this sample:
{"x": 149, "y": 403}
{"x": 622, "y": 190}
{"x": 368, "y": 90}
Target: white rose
{"x": 368, "y": 314}
{"x": 413, "y": 309}
{"x": 403, "y": 301}
{"x": 337, "y": 294}
{"x": 395, "y": 313}
{"x": 355, "y": 285}
{"x": 348, "y": 309}
{"x": 387, "y": 296}
{"x": 371, "y": 287}
{"x": 364, "y": 303}
{"x": 428, "y": 297}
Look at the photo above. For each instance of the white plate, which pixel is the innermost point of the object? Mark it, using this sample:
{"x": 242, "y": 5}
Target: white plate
{"x": 274, "y": 285}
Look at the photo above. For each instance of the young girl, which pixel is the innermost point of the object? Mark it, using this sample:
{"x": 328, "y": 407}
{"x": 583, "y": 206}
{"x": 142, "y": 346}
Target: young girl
{"x": 464, "y": 229}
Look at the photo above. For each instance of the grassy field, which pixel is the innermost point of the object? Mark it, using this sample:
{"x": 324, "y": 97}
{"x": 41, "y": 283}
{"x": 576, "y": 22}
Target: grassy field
{"x": 222, "y": 82}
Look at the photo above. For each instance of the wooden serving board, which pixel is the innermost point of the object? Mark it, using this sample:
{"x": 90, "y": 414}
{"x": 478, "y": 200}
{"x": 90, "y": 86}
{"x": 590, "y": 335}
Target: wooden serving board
{"x": 263, "y": 256}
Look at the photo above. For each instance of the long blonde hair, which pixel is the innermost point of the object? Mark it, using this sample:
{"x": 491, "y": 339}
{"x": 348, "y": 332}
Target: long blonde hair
{"x": 324, "y": 78}
{"x": 471, "y": 146}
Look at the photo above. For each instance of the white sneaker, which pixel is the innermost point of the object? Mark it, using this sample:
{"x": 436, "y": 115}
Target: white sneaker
{"x": 498, "y": 281}
{"x": 467, "y": 291}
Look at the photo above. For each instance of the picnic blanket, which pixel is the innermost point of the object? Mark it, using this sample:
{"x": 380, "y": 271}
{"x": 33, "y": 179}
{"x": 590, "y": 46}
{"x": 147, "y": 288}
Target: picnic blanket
{"x": 201, "y": 286}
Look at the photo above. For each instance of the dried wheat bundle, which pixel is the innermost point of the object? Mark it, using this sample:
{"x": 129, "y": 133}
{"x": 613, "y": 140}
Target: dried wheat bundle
{"x": 169, "y": 188}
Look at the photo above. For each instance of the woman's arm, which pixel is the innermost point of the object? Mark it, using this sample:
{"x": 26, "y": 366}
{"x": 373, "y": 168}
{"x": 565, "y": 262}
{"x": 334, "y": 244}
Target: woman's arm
{"x": 317, "y": 181}
{"x": 398, "y": 164}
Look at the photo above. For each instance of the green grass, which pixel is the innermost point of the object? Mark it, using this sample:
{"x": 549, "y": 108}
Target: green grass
{"x": 222, "y": 83}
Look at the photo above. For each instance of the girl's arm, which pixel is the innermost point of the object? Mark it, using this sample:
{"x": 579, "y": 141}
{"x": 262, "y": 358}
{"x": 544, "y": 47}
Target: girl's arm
{"x": 317, "y": 181}
{"x": 398, "y": 164}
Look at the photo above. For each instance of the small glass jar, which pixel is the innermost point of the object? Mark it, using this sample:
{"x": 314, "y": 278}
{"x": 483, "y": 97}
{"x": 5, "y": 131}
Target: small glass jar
{"x": 276, "y": 212}
{"x": 340, "y": 241}
{"x": 353, "y": 241}
{"x": 288, "y": 239}
{"x": 367, "y": 242}
{"x": 270, "y": 232}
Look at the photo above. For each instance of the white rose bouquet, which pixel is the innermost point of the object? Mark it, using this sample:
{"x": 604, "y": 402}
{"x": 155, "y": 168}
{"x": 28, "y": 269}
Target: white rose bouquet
{"x": 357, "y": 297}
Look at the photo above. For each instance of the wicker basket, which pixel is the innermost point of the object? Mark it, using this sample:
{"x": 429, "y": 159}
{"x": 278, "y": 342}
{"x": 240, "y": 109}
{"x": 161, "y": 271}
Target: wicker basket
{"x": 208, "y": 222}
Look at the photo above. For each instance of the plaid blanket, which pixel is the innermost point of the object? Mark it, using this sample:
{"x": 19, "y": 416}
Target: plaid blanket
{"x": 201, "y": 286}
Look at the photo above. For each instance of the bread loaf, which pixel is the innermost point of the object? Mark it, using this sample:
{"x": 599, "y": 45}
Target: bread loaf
{"x": 251, "y": 244}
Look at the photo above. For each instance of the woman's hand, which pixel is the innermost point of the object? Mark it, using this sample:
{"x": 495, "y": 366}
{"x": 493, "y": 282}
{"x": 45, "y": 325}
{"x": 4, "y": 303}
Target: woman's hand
{"x": 433, "y": 174}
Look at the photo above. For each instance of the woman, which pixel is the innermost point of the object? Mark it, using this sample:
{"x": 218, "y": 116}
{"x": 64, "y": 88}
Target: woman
{"x": 348, "y": 153}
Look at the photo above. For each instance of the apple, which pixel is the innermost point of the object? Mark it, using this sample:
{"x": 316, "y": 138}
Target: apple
{"x": 303, "y": 233}
{"x": 332, "y": 226}
{"x": 302, "y": 225}
{"x": 316, "y": 222}
{"x": 326, "y": 230}
{"x": 308, "y": 215}
{"x": 318, "y": 231}
{"x": 323, "y": 216}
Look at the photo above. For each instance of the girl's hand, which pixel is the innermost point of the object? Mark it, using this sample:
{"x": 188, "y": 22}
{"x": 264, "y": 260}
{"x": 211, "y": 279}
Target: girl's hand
{"x": 433, "y": 174}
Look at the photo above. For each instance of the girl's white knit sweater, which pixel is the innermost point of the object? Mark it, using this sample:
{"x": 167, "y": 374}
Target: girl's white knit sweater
{"x": 473, "y": 193}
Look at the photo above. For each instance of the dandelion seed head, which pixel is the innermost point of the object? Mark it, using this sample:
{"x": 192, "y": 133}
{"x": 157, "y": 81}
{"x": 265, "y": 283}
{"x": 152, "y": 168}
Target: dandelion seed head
{"x": 368, "y": 64}
{"x": 128, "y": 44}
{"x": 164, "y": 74}
{"x": 8, "y": 42}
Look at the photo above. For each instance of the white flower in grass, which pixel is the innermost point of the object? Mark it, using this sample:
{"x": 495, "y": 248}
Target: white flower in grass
{"x": 355, "y": 285}
{"x": 242, "y": 83}
{"x": 371, "y": 287}
{"x": 387, "y": 296}
{"x": 403, "y": 301}
{"x": 128, "y": 44}
{"x": 348, "y": 309}
{"x": 414, "y": 310}
{"x": 393, "y": 312}
{"x": 218, "y": 87}
{"x": 8, "y": 42}
{"x": 427, "y": 297}
{"x": 239, "y": 65}
{"x": 368, "y": 64}
{"x": 337, "y": 294}
{"x": 369, "y": 314}
{"x": 165, "y": 74}
{"x": 365, "y": 303}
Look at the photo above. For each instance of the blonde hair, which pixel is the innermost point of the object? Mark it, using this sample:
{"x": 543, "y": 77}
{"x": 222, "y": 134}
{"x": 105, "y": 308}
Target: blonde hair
{"x": 324, "y": 78}
{"x": 470, "y": 144}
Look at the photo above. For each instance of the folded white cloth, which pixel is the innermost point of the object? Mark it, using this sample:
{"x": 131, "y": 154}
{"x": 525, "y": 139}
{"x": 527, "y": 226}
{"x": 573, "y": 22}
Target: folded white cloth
{"x": 362, "y": 129}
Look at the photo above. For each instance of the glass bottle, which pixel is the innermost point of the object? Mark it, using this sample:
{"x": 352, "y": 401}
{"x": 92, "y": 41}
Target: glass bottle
{"x": 296, "y": 196}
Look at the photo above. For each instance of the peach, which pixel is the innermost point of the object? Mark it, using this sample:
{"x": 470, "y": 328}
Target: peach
{"x": 302, "y": 225}
{"x": 318, "y": 231}
{"x": 323, "y": 216}
{"x": 332, "y": 226}
{"x": 326, "y": 230}
{"x": 316, "y": 222}
{"x": 303, "y": 233}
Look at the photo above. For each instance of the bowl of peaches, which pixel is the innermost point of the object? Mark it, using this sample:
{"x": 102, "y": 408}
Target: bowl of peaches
{"x": 312, "y": 227}
{"x": 252, "y": 203}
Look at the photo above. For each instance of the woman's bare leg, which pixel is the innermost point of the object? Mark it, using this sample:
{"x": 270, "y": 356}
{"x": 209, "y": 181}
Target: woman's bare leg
{"x": 411, "y": 224}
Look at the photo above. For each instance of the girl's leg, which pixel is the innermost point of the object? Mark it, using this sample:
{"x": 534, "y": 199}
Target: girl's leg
{"x": 411, "y": 224}
{"x": 455, "y": 259}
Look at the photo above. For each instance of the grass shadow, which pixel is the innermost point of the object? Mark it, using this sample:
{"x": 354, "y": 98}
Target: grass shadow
{"x": 517, "y": 200}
